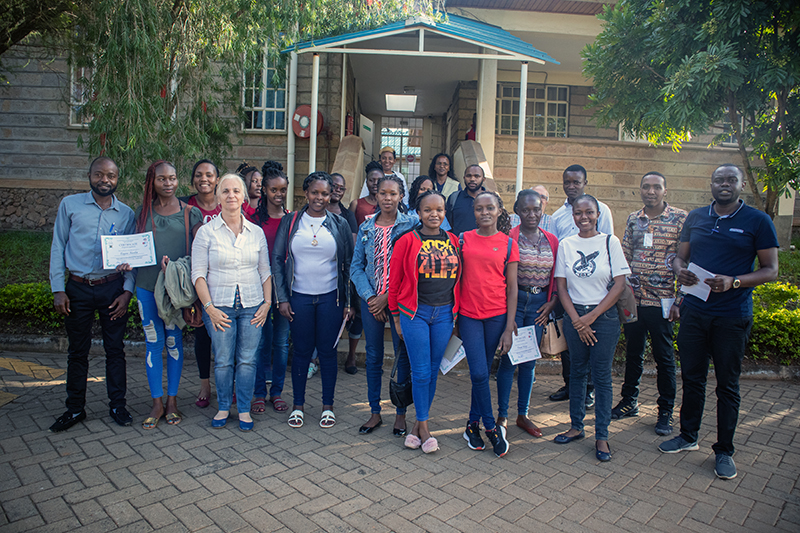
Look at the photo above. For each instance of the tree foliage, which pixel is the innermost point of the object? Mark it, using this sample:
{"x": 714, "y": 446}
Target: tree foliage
{"x": 163, "y": 78}
{"x": 666, "y": 69}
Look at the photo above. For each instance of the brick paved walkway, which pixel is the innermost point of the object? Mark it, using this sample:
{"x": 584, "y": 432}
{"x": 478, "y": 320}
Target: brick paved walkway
{"x": 101, "y": 477}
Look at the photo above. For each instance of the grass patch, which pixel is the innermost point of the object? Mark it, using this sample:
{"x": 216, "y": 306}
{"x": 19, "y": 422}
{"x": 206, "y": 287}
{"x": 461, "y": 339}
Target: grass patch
{"x": 25, "y": 257}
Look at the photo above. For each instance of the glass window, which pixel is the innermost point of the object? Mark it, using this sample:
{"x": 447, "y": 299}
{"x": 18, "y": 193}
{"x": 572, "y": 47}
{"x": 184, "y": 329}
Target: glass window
{"x": 546, "y": 112}
{"x": 405, "y": 136}
{"x": 80, "y": 85}
{"x": 264, "y": 100}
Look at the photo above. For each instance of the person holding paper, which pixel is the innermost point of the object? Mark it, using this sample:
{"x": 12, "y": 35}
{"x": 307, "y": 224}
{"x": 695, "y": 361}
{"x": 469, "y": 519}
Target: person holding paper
{"x": 311, "y": 267}
{"x": 423, "y": 300}
{"x": 590, "y": 275}
{"x": 488, "y": 307}
{"x": 369, "y": 271}
{"x": 230, "y": 271}
{"x": 725, "y": 238}
{"x": 205, "y": 176}
{"x": 88, "y": 288}
{"x": 536, "y": 298}
{"x": 650, "y": 243}
{"x": 162, "y": 213}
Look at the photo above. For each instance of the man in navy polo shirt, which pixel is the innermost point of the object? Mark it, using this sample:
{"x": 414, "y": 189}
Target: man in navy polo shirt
{"x": 460, "y": 212}
{"x": 723, "y": 238}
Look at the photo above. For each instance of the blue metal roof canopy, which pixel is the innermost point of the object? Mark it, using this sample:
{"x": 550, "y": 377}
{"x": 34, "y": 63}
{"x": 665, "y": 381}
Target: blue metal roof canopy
{"x": 507, "y": 46}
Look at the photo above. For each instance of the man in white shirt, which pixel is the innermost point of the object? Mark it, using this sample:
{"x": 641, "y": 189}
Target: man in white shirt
{"x": 574, "y": 181}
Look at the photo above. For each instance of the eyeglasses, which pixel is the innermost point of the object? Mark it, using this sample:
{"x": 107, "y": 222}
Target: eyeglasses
{"x": 339, "y": 188}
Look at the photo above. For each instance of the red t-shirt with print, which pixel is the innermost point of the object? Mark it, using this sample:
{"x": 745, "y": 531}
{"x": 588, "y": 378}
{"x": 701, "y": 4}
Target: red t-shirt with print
{"x": 207, "y": 215}
{"x": 483, "y": 278}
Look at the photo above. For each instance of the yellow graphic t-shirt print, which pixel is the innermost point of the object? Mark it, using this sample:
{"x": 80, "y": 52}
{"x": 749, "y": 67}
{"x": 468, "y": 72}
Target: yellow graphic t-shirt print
{"x": 438, "y": 259}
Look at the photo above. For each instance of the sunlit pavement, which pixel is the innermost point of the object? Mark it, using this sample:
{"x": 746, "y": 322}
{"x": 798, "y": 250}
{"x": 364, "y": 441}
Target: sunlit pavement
{"x": 101, "y": 477}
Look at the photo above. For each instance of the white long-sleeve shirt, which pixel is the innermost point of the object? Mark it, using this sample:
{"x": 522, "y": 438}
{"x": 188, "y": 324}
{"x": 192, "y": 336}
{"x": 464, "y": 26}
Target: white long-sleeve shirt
{"x": 227, "y": 260}
{"x": 564, "y": 224}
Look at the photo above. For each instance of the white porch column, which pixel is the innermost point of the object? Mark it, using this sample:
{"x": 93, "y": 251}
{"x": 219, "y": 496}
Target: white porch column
{"x": 312, "y": 146}
{"x": 487, "y": 95}
{"x": 523, "y": 100}
{"x": 290, "y": 151}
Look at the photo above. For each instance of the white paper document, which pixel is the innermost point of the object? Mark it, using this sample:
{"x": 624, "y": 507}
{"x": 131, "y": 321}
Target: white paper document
{"x": 525, "y": 346}
{"x": 666, "y": 305}
{"x": 700, "y": 290}
{"x": 138, "y": 250}
{"x": 453, "y": 354}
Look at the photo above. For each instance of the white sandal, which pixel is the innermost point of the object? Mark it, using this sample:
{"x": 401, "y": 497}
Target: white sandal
{"x": 296, "y": 418}
{"x": 328, "y": 419}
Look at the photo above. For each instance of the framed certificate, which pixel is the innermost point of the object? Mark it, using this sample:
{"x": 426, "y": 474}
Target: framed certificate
{"x": 137, "y": 250}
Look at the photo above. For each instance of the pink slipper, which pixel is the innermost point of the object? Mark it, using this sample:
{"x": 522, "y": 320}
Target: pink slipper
{"x": 431, "y": 445}
{"x": 412, "y": 441}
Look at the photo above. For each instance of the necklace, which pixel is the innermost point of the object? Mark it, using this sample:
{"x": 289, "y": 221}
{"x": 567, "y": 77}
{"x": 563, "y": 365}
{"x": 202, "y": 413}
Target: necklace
{"x": 314, "y": 240}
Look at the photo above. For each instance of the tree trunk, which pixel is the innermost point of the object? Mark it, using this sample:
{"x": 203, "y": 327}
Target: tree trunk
{"x": 748, "y": 169}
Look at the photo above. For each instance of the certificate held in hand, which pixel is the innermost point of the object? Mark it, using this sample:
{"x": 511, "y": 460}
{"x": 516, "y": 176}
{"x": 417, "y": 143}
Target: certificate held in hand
{"x": 138, "y": 250}
{"x": 525, "y": 346}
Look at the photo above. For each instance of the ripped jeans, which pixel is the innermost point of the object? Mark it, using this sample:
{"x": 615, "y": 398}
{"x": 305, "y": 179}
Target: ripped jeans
{"x": 156, "y": 335}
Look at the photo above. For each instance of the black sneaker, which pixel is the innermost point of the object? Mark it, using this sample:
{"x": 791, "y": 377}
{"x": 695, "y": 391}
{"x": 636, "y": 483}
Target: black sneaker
{"x": 67, "y": 420}
{"x": 473, "y": 436}
{"x": 664, "y": 424}
{"x": 626, "y": 408}
{"x": 560, "y": 395}
{"x": 497, "y": 437}
{"x": 121, "y": 416}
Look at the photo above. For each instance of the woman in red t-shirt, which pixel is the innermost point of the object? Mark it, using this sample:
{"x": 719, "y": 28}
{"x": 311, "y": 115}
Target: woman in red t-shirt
{"x": 273, "y": 352}
{"x": 252, "y": 180}
{"x": 488, "y": 309}
{"x": 367, "y": 206}
{"x": 205, "y": 177}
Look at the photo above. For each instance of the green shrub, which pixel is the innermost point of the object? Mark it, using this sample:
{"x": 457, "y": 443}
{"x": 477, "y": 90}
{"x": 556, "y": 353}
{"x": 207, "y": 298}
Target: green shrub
{"x": 776, "y": 322}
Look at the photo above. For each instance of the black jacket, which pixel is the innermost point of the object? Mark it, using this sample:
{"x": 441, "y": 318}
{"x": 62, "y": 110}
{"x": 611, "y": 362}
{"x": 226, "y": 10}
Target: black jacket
{"x": 283, "y": 260}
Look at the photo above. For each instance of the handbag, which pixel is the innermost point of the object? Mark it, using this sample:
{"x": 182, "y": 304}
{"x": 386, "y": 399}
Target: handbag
{"x": 192, "y": 315}
{"x": 400, "y": 393}
{"x": 553, "y": 340}
{"x": 626, "y": 304}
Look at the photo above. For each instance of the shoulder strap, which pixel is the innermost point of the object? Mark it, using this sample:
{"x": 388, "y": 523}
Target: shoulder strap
{"x": 186, "y": 209}
{"x": 608, "y": 252}
{"x": 508, "y": 252}
{"x": 460, "y": 240}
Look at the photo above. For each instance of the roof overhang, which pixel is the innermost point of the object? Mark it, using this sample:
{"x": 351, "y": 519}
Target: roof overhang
{"x": 493, "y": 42}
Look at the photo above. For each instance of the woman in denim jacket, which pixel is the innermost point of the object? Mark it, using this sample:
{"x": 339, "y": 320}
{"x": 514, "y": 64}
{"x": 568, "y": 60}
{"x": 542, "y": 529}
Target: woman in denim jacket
{"x": 369, "y": 272}
{"x": 311, "y": 271}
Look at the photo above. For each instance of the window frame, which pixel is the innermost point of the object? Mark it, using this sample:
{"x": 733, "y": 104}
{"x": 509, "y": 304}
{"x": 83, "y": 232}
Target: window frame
{"x": 74, "y": 81}
{"x": 267, "y": 72}
{"x": 531, "y": 115}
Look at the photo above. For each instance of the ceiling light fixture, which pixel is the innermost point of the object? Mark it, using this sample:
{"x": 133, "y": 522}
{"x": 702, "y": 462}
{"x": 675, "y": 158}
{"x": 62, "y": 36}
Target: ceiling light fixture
{"x": 401, "y": 102}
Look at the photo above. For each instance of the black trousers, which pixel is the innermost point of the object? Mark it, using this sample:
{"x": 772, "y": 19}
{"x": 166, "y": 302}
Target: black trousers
{"x": 651, "y": 320}
{"x": 83, "y": 302}
{"x": 721, "y": 340}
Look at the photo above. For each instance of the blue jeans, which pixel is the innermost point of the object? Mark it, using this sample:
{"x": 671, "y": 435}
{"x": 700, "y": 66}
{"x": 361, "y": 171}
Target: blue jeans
{"x": 236, "y": 345}
{"x": 426, "y": 336}
{"x": 480, "y": 339}
{"x": 317, "y": 319}
{"x": 373, "y": 329}
{"x": 527, "y": 304}
{"x": 599, "y": 359}
{"x": 156, "y": 335}
{"x": 273, "y": 354}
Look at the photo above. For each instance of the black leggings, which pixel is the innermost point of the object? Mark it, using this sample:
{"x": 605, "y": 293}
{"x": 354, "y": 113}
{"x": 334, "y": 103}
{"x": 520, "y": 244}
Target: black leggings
{"x": 202, "y": 351}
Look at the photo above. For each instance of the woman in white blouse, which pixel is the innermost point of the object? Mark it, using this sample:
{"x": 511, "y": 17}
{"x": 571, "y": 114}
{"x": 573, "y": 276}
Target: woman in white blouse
{"x": 230, "y": 271}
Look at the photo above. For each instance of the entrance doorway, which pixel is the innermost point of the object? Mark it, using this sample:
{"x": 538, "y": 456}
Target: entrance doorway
{"x": 404, "y": 135}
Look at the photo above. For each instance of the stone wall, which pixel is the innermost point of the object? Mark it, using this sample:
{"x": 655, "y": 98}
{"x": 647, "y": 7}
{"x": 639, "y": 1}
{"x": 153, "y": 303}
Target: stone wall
{"x": 30, "y": 209}
{"x": 614, "y": 171}
{"x": 465, "y": 102}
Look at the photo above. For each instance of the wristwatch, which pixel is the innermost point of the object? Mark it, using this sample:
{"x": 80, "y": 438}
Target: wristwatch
{"x": 736, "y": 283}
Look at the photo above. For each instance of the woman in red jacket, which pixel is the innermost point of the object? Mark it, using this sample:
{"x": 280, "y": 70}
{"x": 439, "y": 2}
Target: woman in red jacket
{"x": 536, "y": 298}
{"x": 423, "y": 300}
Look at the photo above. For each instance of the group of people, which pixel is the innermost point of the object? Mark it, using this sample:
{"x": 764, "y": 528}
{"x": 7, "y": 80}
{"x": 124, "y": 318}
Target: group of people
{"x": 432, "y": 260}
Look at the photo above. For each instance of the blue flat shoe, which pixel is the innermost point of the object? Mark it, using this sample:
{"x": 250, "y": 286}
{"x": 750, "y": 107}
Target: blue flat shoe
{"x": 218, "y": 423}
{"x": 246, "y": 426}
{"x": 603, "y": 456}
{"x": 563, "y": 439}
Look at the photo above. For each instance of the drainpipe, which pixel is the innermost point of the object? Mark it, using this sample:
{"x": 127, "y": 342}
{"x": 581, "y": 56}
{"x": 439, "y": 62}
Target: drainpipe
{"x": 523, "y": 100}
{"x": 312, "y": 146}
{"x": 290, "y": 151}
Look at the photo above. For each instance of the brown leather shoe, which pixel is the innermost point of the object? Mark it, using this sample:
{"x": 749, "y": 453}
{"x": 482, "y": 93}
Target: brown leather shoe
{"x": 502, "y": 421}
{"x": 525, "y": 423}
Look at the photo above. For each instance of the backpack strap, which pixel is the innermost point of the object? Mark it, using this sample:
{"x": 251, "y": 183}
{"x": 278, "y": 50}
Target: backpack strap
{"x": 508, "y": 251}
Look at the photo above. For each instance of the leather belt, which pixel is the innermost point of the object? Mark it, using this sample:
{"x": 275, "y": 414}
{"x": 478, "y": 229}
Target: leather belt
{"x": 533, "y": 290}
{"x": 98, "y": 281}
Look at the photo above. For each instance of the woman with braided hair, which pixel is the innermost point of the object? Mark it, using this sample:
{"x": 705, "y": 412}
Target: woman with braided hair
{"x": 163, "y": 214}
{"x": 273, "y": 352}
{"x": 252, "y": 180}
{"x": 488, "y": 308}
